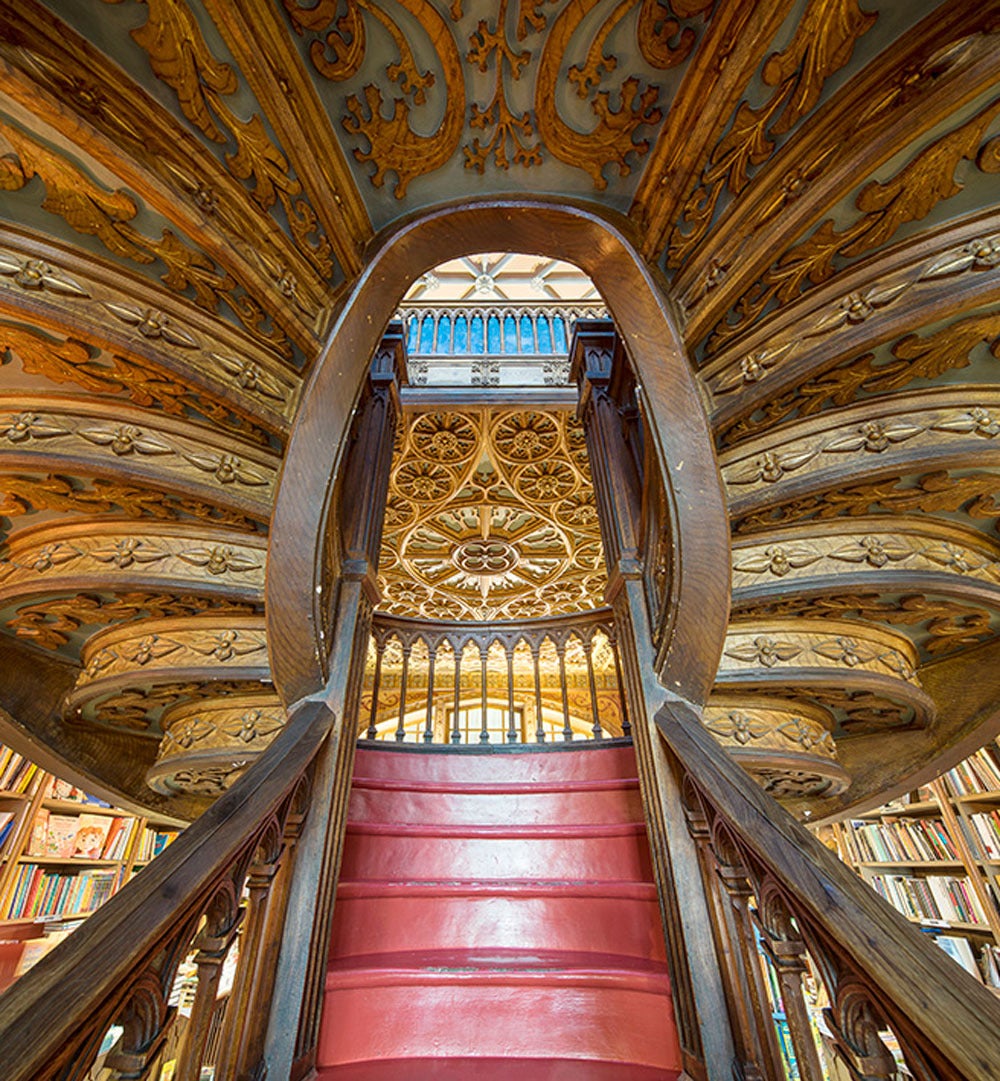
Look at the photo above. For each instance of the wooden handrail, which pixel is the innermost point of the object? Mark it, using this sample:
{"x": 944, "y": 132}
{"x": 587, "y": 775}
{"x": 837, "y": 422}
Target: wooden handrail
{"x": 877, "y": 968}
{"x": 53, "y": 1020}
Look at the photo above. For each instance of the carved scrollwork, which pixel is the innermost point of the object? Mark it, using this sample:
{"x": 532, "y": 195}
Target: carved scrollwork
{"x": 910, "y": 195}
{"x": 913, "y": 357}
{"x": 94, "y": 211}
{"x": 824, "y": 42}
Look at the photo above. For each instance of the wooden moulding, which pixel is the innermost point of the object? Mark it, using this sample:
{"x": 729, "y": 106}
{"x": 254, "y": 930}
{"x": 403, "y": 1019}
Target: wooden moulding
{"x": 679, "y": 430}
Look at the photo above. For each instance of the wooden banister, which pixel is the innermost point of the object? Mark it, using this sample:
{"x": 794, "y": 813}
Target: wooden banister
{"x": 878, "y": 972}
{"x": 120, "y": 966}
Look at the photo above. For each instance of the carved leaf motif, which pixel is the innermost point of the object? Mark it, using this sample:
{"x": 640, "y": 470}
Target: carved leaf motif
{"x": 823, "y": 43}
{"x": 874, "y": 550}
{"x": 846, "y": 651}
{"x": 219, "y": 560}
{"x": 178, "y": 55}
{"x": 764, "y": 651}
{"x": 259, "y": 160}
{"x": 128, "y": 551}
{"x": 908, "y": 196}
{"x": 779, "y": 560}
{"x": 874, "y": 436}
{"x": 771, "y": 466}
{"x": 34, "y": 274}
{"x": 251, "y": 376}
{"x": 124, "y": 439}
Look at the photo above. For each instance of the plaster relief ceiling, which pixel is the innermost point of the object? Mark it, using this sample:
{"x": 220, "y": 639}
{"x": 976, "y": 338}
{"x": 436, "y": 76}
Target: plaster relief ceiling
{"x": 502, "y": 277}
{"x": 491, "y": 516}
{"x": 189, "y": 189}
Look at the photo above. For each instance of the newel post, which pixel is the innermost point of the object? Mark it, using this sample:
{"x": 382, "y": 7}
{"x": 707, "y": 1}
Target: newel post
{"x": 348, "y": 577}
{"x": 633, "y": 513}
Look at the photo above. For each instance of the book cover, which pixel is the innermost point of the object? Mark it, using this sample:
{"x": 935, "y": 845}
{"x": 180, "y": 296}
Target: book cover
{"x": 39, "y": 829}
{"x": 60, "y": 836}
{"x": 91, "y": 835}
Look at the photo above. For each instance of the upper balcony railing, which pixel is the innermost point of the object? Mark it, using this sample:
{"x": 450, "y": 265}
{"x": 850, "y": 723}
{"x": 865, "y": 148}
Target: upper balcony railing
{"x": 543, "y": 680}
{"x": 463, "y": 344}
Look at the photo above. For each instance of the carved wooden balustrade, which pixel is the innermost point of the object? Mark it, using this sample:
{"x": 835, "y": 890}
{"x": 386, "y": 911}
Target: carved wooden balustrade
{"x": 555, "y": 678}
{"x": 225, "y": 880}
{"x": 768, "y": 880}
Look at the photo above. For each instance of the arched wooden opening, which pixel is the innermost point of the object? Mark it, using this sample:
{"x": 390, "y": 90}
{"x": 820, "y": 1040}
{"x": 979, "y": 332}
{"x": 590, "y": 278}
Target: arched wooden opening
{"x": 601, "y": 247}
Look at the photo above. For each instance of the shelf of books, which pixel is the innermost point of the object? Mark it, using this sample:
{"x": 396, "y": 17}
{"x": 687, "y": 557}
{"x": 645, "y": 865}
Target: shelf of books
{"x": 935, "y": 856}
{"x": 63, "y": 853}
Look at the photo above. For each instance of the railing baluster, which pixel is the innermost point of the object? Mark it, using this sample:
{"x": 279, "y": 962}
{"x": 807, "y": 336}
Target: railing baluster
{"x": 429, "y": 722}
{"x": 567, "y": 727}
{"x": 376, "y": 683}
{"x": 787, "y": 953}
{"x": 401, "y": 726}
{"x": 539, "y": 723}
{"x": 484, "y": 732}
{"x": 456, "y": 730}
{"x": 588, "y": 652}
{"x": 512, "y": 733}
{"x": 626, "y": 723}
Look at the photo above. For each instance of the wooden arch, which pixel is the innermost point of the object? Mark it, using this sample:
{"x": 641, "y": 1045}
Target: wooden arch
{"x": 598, "y": 245}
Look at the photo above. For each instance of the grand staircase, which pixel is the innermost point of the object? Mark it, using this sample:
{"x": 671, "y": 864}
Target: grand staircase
{"x": 496, "y": 918}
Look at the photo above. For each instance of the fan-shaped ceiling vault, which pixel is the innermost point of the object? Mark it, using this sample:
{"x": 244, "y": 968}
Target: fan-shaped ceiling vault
{"x": 190, "y": 191}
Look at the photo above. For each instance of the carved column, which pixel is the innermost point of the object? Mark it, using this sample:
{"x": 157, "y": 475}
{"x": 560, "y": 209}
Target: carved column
{"x": 613, "y": 430}
{"x": 354, "y": 534}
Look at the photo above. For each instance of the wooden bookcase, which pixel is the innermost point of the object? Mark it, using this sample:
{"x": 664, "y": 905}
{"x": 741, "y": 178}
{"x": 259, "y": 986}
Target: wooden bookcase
{"x": 38, "y": 886}
{"x": 935, "y": 855}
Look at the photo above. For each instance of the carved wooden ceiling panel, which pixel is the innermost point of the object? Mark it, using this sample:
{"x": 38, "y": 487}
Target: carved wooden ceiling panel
{"x": 491, "y": 516}
{"x": 189, "y": 187}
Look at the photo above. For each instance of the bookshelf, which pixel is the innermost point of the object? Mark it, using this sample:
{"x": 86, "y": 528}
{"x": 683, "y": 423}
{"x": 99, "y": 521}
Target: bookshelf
{"x": 63, "y": 853}
{"x": 935, "y": 856}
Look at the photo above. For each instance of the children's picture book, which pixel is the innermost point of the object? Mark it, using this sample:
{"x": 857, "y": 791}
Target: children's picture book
{"x": 91, "y": 834}
{"x": 60, "y": 836}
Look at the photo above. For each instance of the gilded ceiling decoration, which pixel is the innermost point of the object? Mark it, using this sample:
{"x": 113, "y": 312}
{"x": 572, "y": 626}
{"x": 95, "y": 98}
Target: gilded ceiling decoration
{"x": 491, "y": 516}
{"x": 188, "y": 188}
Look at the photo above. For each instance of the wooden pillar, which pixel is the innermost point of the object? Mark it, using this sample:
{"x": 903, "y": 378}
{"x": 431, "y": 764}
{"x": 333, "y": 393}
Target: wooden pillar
{"x": 607, "y": 402}
{"x": 354, "y": 527}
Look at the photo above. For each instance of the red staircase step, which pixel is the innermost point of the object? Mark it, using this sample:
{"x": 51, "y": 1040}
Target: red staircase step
{"x": 496, "y": 911}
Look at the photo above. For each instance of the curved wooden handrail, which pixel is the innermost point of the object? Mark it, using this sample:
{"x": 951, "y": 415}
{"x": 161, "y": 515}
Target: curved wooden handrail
{"x": 51, "y": 1017}
{"x": 877, "y": 968}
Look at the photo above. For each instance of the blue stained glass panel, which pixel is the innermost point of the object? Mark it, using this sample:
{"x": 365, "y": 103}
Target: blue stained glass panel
{"x": 559, "y": 325}
{"x": 544, "y": 334}
{"x": 527, "y": 334}
{"x": 413, "y": 330}
{"x": 444, "y": 334}
{"x": 509, "y": 334}
{"x": 476, "y": 335}
{"x": 461, "y": 339}
{"x": 426, "y": 334}
{"x": 493, "y": 335}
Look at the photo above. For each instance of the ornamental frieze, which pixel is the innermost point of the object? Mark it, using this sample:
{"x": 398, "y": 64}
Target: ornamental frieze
{"x": 151, "y": 653}
{"x": 939, "y": 428}
{"x": 114, "y": 555}
{"x": 42, "y": 432}
{"x": 899, "y": 551}
{"x": 902, "y": 287}
{"x": 855, "y": 647}
{"x": 779, "y": 742}
{"x": 68, "y": 288}
{"x": 208, "y": 744}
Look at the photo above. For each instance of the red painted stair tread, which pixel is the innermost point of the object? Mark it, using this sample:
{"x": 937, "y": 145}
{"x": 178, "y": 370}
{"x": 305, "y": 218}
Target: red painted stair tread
{"x": 496, "y": 913}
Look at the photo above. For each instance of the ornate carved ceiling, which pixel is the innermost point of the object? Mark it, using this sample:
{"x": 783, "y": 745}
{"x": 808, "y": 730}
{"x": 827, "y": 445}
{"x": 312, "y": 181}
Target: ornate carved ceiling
{"x": 491, "y": 516}
{"x": 187, "y": 188}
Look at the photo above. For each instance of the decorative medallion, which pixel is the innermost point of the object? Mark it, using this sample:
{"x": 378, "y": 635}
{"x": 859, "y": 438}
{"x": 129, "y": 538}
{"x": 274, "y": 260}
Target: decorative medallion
{"x": 491, "y": 515}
